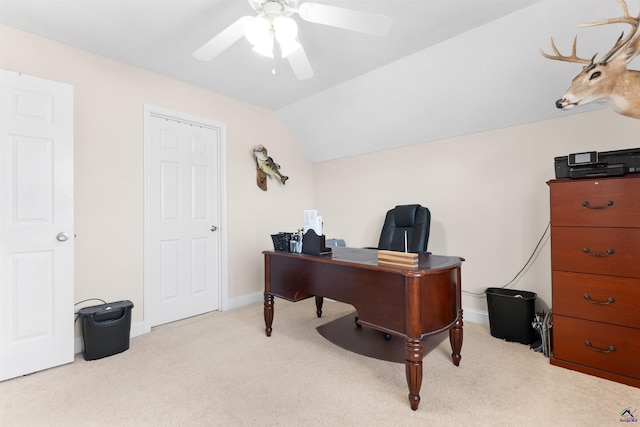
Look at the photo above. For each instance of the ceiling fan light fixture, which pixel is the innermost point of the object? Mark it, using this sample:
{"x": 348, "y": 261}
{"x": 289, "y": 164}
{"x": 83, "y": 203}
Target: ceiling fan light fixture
{"x": 258, "y": 30}
{"x": 274, "y": 23}
{"x": 286, "y": 31}
{"x": 265, "y": 48}
{"x": 285, "y": 28}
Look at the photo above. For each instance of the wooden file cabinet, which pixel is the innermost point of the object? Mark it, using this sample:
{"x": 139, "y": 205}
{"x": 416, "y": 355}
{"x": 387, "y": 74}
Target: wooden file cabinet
{"x": 595, "y": 261}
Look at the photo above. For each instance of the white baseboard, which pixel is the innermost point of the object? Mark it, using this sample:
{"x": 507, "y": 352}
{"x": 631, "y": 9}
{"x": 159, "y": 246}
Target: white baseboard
{"x": 469, "y": 315}
{"x": 138, "y": 328}
{"x": 475, "y": 316}
{"x": 245, "y": 300}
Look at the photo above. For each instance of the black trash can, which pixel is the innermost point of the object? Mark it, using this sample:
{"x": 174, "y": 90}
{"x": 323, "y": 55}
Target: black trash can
{"x": 106, "y": 329}
{"x": 511, "y": 314}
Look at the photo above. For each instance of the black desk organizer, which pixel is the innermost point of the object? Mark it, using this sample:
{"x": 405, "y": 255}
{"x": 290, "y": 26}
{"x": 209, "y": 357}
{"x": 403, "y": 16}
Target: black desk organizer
{"x": 281, "y": 241}
{"x": 312, "y": 244}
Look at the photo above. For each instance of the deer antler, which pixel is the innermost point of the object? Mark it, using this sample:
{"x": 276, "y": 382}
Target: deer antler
{"x": 607, "y": 81}
{"x": 626, "y": 19}
{"x": 573, "y": 58}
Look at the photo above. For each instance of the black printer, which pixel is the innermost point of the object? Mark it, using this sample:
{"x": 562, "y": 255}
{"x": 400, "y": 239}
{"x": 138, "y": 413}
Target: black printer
{"x": 591, "y": 164}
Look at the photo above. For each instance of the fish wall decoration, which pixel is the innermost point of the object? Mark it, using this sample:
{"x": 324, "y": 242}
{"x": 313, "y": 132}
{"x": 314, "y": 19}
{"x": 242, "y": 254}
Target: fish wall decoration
{"x": 265, "y": 166}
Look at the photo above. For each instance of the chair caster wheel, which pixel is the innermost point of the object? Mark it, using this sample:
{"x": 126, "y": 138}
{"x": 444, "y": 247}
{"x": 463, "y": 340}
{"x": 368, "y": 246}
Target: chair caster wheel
{"x": 357, "y": 323}
{"x": 386, "y": 336}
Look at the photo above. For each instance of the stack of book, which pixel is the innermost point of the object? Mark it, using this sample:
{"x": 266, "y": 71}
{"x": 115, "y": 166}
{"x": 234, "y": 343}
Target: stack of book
{"x": 398, "y": 259}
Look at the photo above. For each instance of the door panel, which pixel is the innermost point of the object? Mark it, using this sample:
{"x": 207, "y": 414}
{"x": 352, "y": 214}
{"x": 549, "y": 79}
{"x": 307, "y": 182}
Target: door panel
{"x": 36, "y": 204}
{"x": 183, "y": 199}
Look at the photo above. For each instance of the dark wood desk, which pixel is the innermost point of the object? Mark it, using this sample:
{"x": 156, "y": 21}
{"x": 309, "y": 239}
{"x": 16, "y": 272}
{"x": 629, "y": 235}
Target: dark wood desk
{"x": 408, "y": 303}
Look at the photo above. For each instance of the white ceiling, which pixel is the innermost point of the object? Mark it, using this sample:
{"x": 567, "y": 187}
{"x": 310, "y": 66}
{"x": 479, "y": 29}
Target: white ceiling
{"x": 446, "y": 68}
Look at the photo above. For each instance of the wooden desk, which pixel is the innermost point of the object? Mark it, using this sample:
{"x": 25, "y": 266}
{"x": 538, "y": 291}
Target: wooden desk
{"x": 408, "y": 303}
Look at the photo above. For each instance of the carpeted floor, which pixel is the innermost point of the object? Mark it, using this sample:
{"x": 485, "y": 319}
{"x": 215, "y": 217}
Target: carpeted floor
{"x": 220, "y": 369}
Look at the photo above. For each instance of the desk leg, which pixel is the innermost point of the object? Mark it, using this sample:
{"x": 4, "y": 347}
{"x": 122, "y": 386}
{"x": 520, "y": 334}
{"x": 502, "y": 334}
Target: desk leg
{"x": 319, "y": 302}
{"x": 455, "y": 338}
{"x": 413, "y": 368}
{"x": 268, "y": 312}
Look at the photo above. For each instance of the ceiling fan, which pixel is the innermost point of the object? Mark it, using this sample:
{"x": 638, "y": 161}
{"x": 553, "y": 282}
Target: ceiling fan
{"x": 273, "y": 23}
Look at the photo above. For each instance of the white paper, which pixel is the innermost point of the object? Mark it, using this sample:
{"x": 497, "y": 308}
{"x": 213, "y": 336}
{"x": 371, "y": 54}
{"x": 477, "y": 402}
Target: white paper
{"x": 312, "y": 221}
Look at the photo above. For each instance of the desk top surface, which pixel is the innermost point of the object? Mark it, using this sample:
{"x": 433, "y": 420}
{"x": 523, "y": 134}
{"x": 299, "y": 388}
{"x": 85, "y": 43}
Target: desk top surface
{"x": 369, "y": 258}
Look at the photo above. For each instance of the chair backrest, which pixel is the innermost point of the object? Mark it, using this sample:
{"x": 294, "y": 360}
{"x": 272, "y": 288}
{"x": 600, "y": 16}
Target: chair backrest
{"x": 415, "y": 220}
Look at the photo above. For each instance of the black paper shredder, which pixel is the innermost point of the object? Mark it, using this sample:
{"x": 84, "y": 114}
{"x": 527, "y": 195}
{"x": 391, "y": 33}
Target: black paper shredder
{"x": 106, "y": 329}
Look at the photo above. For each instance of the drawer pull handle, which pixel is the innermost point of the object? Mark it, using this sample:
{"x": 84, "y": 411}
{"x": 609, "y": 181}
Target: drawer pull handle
{"x": 599, "y": 350}
{"x": 588, "y": 252}
{"x": 606, "y": 205}
{"x": 608, "y": 301}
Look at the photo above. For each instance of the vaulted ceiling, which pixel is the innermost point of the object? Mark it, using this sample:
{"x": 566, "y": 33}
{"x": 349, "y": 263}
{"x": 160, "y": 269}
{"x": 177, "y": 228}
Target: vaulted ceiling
{"x": 446, "y": 67}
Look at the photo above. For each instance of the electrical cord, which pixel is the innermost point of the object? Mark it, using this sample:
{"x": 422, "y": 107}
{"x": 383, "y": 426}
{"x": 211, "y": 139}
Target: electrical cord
{"x": 91, "y": 299}
{"x": 88, "y": 299}
{"x": 535, "y": 250}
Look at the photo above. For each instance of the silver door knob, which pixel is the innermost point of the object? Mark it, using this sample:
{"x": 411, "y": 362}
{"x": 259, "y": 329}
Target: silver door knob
{"x": 62, "y": 237}
{"x": 214, "y": 228}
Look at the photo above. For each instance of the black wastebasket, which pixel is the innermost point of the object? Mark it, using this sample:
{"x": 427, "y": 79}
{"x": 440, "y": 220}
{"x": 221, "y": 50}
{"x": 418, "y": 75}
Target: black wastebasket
{"x": 106, "y": 329}
{"x": 511, "y": 313}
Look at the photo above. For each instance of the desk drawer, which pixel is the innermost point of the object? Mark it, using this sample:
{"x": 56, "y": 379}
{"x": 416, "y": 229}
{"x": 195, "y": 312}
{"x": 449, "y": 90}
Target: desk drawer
{"x": 570, "y": 291}
{"x": 609, "y": 251}
{"x": 596, "y": 202}
{"x": 612, "y": 348}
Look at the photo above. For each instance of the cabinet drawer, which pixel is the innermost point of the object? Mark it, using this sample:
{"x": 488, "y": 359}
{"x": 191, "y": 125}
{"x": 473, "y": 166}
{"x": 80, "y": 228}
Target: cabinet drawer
{"x": 607, "y": 202}
{"x": 606, "y": 299}
{"x": 609, "y": 251}
{"x": 610, "y": 348}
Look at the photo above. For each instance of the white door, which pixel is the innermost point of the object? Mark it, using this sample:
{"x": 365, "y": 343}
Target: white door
{"x": 36, "y": 225}
{"x": 183, "y": 215}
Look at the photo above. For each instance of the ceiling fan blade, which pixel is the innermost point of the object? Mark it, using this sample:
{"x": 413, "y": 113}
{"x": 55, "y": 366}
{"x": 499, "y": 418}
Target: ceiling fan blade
{"x": 364, "y": 22}
{"x": 223, "y": 40}
{"x": 300, "y": 64}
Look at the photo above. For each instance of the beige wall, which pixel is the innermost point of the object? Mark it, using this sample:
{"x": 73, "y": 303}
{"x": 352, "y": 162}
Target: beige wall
{"x": 109, "y": 99}
{"x": 487, "y": 194}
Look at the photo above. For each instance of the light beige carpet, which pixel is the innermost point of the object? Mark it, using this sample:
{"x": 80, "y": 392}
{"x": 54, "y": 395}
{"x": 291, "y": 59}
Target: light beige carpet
{"x": 220, "y": 369}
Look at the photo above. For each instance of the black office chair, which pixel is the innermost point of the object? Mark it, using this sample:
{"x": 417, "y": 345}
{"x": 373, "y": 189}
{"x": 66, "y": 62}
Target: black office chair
{"x": 410, "y": 221}
{"x": 414, "y": 220}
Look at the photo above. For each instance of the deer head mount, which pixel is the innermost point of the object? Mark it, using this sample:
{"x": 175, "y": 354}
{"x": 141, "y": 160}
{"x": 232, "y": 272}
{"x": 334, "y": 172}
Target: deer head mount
{"x": 608, "y": 80}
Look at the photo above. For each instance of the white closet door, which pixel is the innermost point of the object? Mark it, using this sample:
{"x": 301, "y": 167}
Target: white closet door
{"x": 184, "y": 241}
{"x": 36, "y": 225}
